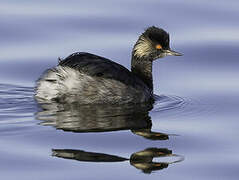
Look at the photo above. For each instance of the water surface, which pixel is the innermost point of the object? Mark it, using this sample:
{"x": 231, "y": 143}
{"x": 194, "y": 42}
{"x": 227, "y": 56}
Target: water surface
{"x": 190, "y": 133}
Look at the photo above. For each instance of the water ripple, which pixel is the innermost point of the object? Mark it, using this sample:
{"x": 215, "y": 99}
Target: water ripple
{"x": 16, "y": 102}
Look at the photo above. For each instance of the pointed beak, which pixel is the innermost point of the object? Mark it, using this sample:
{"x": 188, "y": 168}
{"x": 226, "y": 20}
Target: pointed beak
{"x": 172, "y": 53}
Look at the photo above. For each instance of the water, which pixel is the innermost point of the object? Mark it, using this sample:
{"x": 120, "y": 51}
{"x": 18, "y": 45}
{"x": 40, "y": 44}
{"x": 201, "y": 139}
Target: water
{"x": 192, "y": 131}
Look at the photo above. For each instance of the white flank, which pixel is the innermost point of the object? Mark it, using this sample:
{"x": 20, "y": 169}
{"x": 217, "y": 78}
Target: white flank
{"x": 62, "y": 80}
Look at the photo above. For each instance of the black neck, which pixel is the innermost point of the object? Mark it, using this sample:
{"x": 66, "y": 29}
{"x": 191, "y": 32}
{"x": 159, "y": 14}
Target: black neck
{"x": 142, "y": 68}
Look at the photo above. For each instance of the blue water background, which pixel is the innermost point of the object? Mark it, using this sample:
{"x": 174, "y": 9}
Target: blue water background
{"x": 204, "y": 128}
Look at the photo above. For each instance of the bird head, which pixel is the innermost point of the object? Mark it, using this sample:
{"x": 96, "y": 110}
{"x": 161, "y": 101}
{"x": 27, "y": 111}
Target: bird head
{"x": 153, "y": 44}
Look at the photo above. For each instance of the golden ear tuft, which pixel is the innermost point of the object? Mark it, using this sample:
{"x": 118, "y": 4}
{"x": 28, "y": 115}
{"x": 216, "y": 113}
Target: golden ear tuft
{"x": 158, "y": 46}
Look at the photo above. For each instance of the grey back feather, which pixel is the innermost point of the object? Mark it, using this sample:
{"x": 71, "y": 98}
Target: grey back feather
{"x": 94, "y": 65}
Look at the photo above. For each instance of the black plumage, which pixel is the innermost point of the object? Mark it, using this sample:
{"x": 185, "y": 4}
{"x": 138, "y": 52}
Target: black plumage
{"x": 88, "y": 78}
{"x": 98, "y": 66}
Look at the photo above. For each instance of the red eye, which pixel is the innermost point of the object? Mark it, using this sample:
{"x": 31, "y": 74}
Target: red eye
{"x": 158, "y": 46}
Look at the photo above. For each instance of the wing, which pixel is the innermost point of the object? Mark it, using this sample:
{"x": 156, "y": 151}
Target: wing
{"x": 94, "y": 65}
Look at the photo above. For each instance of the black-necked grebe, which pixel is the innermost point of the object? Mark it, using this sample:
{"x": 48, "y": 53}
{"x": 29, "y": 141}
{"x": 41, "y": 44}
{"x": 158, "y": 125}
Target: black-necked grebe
{"x": 86, "y": 78}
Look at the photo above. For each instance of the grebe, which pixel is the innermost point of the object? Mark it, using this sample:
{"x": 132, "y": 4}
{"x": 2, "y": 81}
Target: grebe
{"x": 90, "y": 79}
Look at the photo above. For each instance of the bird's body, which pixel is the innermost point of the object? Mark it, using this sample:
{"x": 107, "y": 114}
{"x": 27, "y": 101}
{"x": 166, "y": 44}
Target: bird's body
{"x": 86, "y": 78}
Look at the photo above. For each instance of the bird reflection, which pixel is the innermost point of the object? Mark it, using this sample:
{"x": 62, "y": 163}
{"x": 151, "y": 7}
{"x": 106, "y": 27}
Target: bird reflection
{"x": 100, "y": 118}
{"x": 142, "y": 160}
